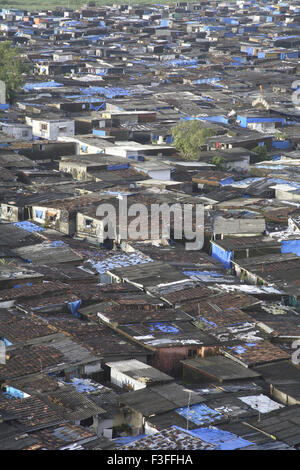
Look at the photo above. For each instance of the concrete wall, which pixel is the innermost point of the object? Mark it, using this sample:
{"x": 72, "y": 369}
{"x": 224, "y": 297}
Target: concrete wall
{"x": 62, "y": 57}
{"x": 53, "y": 129}
{"x": 2, "y": 92}
{"x": 124, "y": 381}
{"x": 224, "y": 226}
{"x": 9, "y": 212}
{"x": 283, "y": 397}
{"x": 19, "y": 132}
{"x": 61, "y": 222}
{"x": 287, "y": 195}
{"x": 77, "y": 170}
{"x": 85, "y": 230}
{"x": 164, "y": 175}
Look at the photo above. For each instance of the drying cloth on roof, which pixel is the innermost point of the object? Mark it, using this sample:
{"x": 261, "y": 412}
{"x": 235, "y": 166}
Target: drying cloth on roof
{"x": 74, "y": 306}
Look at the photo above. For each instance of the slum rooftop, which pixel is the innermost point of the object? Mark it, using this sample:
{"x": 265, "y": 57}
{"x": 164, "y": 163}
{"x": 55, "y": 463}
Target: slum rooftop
{"x": 132, "y": 341}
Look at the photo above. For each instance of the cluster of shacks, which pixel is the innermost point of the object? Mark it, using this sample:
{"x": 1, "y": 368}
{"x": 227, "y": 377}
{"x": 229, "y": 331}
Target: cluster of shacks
{"x": 124, "y": 342}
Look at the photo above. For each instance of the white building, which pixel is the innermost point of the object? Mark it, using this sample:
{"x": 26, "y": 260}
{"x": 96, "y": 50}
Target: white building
{"x": 19, "y": 131}
{"x": 51, "y": 129}
{"x": 136, "y": 375}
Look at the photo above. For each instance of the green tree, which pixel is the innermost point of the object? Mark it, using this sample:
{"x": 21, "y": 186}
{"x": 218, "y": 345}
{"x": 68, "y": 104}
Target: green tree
{"x": 11, "y": 69}
{"x": 262, "y": 153}
{"x": 218, "y": 161}
{"x": 190, "y": 137}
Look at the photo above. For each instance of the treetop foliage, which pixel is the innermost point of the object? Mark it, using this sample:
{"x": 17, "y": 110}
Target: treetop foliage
{"x": 11, "y": 69}
{"x": 190, "y": 137}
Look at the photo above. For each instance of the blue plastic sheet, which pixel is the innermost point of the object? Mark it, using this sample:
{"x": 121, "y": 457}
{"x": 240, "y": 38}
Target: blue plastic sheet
{"x": 108, "y": 92}
{"x": 82, "y": 385}
{"x": 18, "y": 286}
{"x": 199, "y": 414}
{"x": 165, "y": 328}
{"x": 281, "y": 144}
{"x": 221, "y": 255}
{"x": 202, "y": 273}
{"x": 74, "y": 306}
{"x": 122, "y": 441}
{"x": 223, "y": 440}
{"x": 97, "y": 108}
{"x": 238, "y": 349}
{"x": 226, "y": 181}
{"x": 211, "y": 323}
{"x": 14, "y": 392}
{"x": 290, "y": 246}
{"x": 38, "y": 213}
{"x": 29, "y": 226}
{"x": 58, "y": 243}
{"x": 6, "y": 341}
{"x": 32, "y": 86}
{"x": 124, "y": 166}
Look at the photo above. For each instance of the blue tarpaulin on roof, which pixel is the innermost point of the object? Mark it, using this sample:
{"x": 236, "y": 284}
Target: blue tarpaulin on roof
{"x": 222, "y": 255}
{"x": 111, "y": 92}
{"x": 200, "y": 273}
{"x": 207, "y": 81}
{"x": 220, "y": 119}
{"x": 211, "y": 323}
{"x": 226, "y": 181}
{"x": 199, "y": 414}
{"x": 290, "y": 246}
{"x": 83, "y": 385}
{"x": 238, "y": 349}
{"x": 122, "y": 441}
{"x": 58, "y": 243}
{"x": 123, "y": 166}
{"x": 98, "y": 132}
{"x": 166, "y": 328}
{"x": 32, "y": 86}
{"x": 281, "y": 144}
{"x": 97, "y": 108}
{"x": 223, "y": 440}
{"x": 14, "y": 392}
{"x": 18, "y": 286}
{"x": 6, "y": 341}
{"x": 29, "y": 226}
